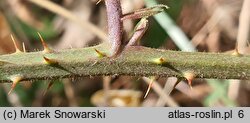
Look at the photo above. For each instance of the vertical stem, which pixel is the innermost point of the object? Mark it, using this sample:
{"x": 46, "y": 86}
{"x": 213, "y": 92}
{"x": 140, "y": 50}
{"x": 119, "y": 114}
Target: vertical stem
{"x": 114, "y": 14}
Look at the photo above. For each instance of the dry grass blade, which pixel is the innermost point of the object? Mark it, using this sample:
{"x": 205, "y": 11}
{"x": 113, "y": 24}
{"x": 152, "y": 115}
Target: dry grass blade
{"x": 67, "y": 14}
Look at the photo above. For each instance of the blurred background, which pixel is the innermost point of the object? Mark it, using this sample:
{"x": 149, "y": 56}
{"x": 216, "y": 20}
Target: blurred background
{"x": 188, "y": 25}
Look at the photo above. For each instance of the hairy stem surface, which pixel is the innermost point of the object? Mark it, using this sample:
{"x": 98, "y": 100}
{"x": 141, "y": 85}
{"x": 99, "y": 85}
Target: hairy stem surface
{"x": 134, "y": 61}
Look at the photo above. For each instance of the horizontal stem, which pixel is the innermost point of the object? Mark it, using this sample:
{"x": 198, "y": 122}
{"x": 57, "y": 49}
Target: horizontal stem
{"x": 134, "y": 61}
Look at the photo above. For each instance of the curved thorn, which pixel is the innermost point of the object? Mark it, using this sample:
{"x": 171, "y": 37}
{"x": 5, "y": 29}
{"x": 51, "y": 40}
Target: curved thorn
{"x": 190, "y": 84}
{"x": 159, "y": 61}
{"x": 100, "y": 54}
{"x": 48, "y": 87}
{"x": 15, "y": 80}
{"x": 149, "y": 87}
{"x": 24, "y": 48}
{"x": 189, "y": 75}
{"x": 45, "y": 46}
{"x": 236, "y": 51}
{"x": 49, "y": 61}
{"x": 14, "y": 42}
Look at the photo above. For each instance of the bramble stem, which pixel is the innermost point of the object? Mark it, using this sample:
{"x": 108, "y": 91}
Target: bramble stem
{"x": 134, "y": 61}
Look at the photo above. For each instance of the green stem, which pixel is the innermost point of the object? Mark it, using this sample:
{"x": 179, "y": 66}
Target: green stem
{"x": 134, "y": 61}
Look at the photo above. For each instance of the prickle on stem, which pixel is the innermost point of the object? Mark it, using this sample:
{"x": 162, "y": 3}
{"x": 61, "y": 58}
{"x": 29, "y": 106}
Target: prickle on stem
{"x": 14, "y": 42}
{"x": 100, "y": 54}
{"x": 15, "y": 80}
{"x": 189, "y": 76}
{"x": 45, "y": 46}
{"x": 49, "y": 86}
{"x": 159, "y": 61}
{"x": 236, "y": 52}
{"x": 24, "y": 48}
{"x": 149, "y": 86}
{"x": 49, "y": 61}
